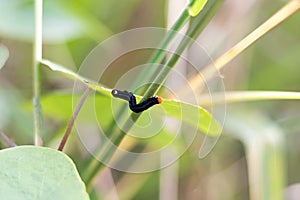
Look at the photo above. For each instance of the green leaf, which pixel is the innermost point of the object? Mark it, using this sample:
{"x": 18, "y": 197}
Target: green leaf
{"x": 196, "y": 6}
{"x": 173, "y": 108}
{"x": 56, "y": 67}
{"x": 30, "y": 172}
{"x": 4, "y": 54}
{"x": 59, "y": 106}
{"x": 206, "y": 124}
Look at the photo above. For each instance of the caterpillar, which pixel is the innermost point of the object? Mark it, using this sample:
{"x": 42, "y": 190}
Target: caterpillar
{"x": 136, "y": 107}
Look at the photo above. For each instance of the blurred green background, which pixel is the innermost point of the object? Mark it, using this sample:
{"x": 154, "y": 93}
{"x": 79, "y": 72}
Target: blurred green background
{"x": 258, "y": 152}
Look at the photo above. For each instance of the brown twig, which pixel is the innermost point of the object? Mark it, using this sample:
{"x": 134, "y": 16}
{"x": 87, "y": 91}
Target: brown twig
{"x": 71, "y": 122}
{"x": 7, "y": 140}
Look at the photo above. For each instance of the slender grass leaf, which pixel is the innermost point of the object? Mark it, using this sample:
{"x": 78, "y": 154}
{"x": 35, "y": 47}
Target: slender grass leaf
{"x": 172, "y": 108}
{"x": 59, "y": 106}
{"x": 196, "y": 6}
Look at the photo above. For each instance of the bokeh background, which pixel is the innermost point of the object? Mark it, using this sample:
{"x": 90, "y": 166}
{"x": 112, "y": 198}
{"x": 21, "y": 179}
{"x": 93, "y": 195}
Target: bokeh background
{"x": 258, "y": 152}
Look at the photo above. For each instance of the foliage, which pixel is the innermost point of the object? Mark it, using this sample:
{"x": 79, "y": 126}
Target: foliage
{"x": 30, "y": 172}
{"x": 255, "y": 158}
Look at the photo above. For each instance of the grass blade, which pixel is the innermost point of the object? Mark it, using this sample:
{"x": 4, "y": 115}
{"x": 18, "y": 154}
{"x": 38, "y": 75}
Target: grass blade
{"x": 286, "y": 11}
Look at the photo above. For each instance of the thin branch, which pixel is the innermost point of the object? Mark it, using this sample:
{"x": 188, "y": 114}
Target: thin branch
{"x": 7, "y": 140}
{"x": 209, "y": 71}
{"x": 37, "y": 53}
{"x": 71, "y": 122}
{"x": 243, "y": 96}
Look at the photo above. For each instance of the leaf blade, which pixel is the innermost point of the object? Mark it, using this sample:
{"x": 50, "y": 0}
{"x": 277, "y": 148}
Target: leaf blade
{"x": 32, "y": 172}
{"x": 207, "y": 124}
{"x": 196, "y": 6}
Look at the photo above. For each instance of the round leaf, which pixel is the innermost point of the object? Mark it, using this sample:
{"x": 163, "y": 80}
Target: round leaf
{"x": 30, "y": 172}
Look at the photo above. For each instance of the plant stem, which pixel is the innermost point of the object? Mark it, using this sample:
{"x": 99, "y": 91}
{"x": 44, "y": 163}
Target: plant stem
{"x": 195, "y": 29}
{"x": 198, "y": 24}
{"x": 286, "y": 11}
{"x": 242, "y": 96}
{"x": 161, "y": 52}
{"x": 93, "y": 165}
{"x": 7, "y": 140}
{"x": 37, "y": 53}
{"x": 71, "y": 122}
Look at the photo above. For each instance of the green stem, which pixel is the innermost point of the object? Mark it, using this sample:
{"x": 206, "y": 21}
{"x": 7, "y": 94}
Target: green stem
{"x": 161, "y": 52}
{"x": 37, "y": 57}
{"x": 209, "y": 71}
{"x": 157, "y": 57}
{"x": 243, "y": 96}
{"x": 197, "y": 25}
{"x": 193, "y": 31}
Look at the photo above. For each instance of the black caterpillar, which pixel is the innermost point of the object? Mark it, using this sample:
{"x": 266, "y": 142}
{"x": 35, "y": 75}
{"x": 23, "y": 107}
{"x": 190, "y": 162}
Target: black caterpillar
{"x": 136, "y": 107}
